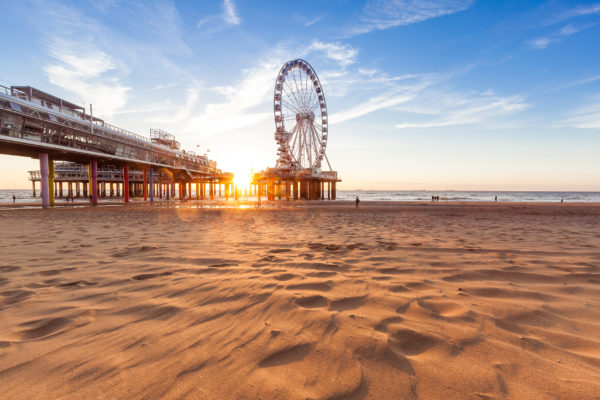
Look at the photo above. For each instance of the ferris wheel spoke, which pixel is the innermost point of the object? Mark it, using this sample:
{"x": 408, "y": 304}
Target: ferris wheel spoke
{"x": 290, "y": 106}
{"x": 297, "y": 89}
{"x": 294, "y": 135}
{"x": 291, "y": 93}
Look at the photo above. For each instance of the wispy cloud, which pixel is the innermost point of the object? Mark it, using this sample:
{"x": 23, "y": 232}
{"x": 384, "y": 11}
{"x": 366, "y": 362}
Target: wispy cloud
{"x": 578, "y": 82}
{"x": 577, "y": 24}
{"x": 460, "y": 109}
{"x": 385, "y": 14}
{"x": 585, "y": 117}
{"x": 559, "y": 35}
{"x": 343, "y": 54}
{"x": 578, "y": 12}
{"x": 229, "y": 17}
{"x": 373, "y": 104}
{"x": 309, "y": 21}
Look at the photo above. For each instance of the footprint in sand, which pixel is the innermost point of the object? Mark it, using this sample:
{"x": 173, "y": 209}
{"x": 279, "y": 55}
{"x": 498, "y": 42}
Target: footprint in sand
{"x": 348, "y": 303}
{"x": 15, "y": 296}
{"x": 318, "y": 286}
{"x": 312, "y": 301}
{"x": 43, "y": 328}
{"x": 143, "y": 277}
{"x": 77, "y": 284}
{"x": 410, "y": 343}
{"x": 285, "y": 277}
{"x": 287, "y": 355}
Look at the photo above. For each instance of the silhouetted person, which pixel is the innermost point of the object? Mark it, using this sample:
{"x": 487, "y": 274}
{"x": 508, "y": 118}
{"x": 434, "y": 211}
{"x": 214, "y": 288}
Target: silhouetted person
{"x": 14, "y": 198}
{"x": 432, "y": 199}
{"x": 357, "y": 201}
{"x": 495, "y": 198}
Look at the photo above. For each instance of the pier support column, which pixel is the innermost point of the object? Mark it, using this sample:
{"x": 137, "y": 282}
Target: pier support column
{"x": 333, "y": 191}
{"x": 151, "y": 184}
{"x": 211, "y": 188}
{"x": 126, "y": 183}
{"x": 33, "y": 184}
{"x": 44, "y": 182}
{"x": 51, "y": 181}
{"x": 197, "y": 191}
{"x": 258, "y": 190}
{"x": 89, "y": 185}
{"x": 94, "y": 167}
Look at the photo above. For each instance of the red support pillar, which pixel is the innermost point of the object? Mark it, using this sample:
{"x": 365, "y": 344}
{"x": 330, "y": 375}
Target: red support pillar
{"x": 145, "y": 185}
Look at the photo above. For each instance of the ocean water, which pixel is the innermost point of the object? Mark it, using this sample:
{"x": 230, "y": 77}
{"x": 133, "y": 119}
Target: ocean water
{"x": 24, "y": 196}
{"x": 451, "y": 195}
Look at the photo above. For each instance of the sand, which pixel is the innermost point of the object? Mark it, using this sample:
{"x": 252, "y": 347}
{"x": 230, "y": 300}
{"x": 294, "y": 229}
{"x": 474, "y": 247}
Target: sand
{"x": 396, "y": 301}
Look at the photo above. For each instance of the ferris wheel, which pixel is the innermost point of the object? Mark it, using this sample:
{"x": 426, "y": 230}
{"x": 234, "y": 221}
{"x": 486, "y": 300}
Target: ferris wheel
{"x": 300, "y": 110}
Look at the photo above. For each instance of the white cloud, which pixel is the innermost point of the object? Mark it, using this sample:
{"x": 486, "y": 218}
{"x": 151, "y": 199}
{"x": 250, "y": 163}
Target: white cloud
{"x": 542, "y": 43}
{"x": 230, "y": 15}
{"x": 86, "y": 71}
{"x": 385, "y": 14}
{"x": 343, "y": 54}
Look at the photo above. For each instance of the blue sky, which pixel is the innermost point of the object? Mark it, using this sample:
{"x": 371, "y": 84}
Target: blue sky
{"x": 436, "y": 94}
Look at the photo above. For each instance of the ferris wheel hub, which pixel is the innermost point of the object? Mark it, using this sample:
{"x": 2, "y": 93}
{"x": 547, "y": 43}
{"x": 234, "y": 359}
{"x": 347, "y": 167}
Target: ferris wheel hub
{"x": 310, "y": 116}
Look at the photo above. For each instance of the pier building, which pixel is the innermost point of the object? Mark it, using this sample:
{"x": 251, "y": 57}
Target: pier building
{"x": 39, "y": 125}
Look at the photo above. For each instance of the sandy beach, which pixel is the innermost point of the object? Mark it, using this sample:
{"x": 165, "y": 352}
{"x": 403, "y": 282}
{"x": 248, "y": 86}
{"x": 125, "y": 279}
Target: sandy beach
{"x": 388, "y": 301}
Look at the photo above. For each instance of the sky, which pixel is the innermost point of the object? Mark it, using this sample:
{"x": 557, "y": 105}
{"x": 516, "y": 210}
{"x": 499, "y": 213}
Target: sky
{"x": 435, "y": 94}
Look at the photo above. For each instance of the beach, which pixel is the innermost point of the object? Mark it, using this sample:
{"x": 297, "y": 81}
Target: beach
{"x": 301, "y": 301}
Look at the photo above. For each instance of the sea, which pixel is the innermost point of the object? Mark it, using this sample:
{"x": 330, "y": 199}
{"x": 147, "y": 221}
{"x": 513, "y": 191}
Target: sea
{"x": 25, "y": 196}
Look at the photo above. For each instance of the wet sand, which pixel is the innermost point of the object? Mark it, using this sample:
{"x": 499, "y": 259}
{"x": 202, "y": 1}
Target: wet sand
{"x": 388, "y": 301}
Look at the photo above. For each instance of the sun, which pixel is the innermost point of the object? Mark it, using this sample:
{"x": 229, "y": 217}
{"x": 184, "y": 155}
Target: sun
{"x": 242, "y": 178}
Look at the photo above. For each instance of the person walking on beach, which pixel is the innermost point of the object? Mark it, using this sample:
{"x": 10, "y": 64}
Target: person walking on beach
{"x": 357, "y": 201}
{"x": 14, "y": 198}
{"x": 496, "y": 198}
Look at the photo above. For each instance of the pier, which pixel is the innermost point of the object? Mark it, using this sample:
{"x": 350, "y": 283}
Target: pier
{"x": 39, "y": 125}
